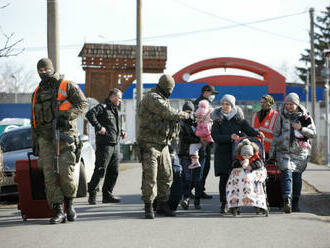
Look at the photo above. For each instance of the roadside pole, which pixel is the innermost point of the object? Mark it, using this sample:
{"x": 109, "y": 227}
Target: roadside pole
{"x": 52, "y": 33}
{"x": 139, "y": 61}
{"x": 326, "y": 93}
{"x": 311, "y": 12}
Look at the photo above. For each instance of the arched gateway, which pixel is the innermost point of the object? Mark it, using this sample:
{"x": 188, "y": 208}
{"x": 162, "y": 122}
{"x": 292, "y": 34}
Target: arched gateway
{"x": 272, "y": 79}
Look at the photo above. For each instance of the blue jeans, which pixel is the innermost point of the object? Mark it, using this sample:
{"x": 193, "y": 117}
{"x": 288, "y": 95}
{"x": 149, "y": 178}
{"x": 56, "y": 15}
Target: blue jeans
{"x": 192, "y": 177}
{"x": 291, "y": 180}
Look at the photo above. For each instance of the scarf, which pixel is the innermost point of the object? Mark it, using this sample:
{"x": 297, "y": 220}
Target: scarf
{"x": 230, "y": 115}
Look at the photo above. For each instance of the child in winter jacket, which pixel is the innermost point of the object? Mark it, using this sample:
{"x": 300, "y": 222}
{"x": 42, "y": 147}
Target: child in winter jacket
{"x": 203, "y": 131}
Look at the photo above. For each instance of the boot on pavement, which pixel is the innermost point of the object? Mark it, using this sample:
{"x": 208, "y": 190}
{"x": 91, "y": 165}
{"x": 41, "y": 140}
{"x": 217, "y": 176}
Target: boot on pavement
{"x": 71, "y": 214}
{"x": 287, "y": 205}
{"x": 295, "y": 204}
{"x": 164, "y": 209}
{"x": 92, "y": 198}
{"x": 59, "y": 214}
{"x": 109, "y": 198}
{"x": 206, "y": 196}
{"x": 149, "y": 211}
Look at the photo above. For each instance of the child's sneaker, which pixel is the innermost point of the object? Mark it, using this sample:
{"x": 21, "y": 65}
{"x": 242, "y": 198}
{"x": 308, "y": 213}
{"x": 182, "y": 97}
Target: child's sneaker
{"x": 194, "y": 165}
{"x": 185, "y": 204}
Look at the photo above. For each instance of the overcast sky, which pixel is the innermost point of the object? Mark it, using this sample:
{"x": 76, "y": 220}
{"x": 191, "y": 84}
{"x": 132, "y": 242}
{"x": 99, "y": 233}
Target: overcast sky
{"x": 274, "y": 32}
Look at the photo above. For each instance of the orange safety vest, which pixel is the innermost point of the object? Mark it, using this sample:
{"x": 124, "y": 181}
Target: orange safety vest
{"x": 266, "y": 127}
{"x": 61, "y": 96}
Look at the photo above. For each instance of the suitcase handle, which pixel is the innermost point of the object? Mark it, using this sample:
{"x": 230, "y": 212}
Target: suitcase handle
{"x": 29, "y": 155}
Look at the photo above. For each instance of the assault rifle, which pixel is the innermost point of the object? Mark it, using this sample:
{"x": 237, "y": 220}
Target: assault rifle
{"x": 56, "y": 138}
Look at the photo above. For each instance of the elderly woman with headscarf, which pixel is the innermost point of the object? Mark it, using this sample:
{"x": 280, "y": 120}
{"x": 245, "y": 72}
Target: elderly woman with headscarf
{"x": 291, "y": 147}
{"x": 228, "y": 125}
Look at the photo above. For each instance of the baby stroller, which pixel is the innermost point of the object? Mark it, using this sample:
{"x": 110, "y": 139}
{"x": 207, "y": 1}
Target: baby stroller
{"x": 245, "y": 188}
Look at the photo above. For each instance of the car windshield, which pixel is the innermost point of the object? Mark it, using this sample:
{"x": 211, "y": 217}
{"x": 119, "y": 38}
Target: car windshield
{"x": 16, "y": 140}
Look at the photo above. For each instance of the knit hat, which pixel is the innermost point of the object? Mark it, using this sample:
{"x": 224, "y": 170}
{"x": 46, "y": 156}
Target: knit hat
{"x": 292, "y": 97}
{"x": 269, "y": 100}
{"x": 188, "y": 106}
{"x": 45, "y": 63}
{"x": 229, "y": 98}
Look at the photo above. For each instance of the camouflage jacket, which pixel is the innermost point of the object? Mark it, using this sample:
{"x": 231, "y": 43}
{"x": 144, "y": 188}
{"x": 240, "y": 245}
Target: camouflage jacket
{"x": 44, "y": 108}
{"x": 158, "y": 121}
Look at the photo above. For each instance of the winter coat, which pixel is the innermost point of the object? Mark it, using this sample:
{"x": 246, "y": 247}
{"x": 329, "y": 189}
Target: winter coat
{"x": 187, "y": 136}
{"x": 222, "y": 130}
{"x": 286, "y": 147}
{"x": 106, "y": 115}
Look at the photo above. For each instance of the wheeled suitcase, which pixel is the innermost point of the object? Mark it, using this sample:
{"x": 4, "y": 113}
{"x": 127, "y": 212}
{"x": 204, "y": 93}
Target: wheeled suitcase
{"x": 31, "y": 190}
{"x": 273, "y": 185}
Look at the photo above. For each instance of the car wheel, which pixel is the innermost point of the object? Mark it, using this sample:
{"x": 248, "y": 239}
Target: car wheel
{"x": 82, "y": 186}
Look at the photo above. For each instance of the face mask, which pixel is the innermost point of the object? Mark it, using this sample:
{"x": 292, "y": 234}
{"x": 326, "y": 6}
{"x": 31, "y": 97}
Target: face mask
{"x": 211, "y": 98}
{"x": 45, "y": 76}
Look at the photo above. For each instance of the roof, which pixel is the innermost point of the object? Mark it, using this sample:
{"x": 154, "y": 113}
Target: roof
{"x": 122, "y": 51}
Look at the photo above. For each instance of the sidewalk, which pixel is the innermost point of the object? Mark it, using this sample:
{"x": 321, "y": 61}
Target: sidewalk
{"x": 318, "y": 176}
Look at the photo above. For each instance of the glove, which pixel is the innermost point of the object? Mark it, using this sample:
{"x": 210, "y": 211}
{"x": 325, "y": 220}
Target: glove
{"x": 63, "y": 123}
{"x": 35, "y": 149}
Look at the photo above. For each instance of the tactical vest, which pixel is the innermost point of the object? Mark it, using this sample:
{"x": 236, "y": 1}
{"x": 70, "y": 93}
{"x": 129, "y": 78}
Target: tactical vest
{"x": 266, "y": 126}
{"x": 43, "y": 110}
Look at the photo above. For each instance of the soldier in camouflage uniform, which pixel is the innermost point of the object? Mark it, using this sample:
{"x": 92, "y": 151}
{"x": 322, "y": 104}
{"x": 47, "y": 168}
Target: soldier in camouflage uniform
{"x": 51, "y": 89}
{"x": 158, "y": 125}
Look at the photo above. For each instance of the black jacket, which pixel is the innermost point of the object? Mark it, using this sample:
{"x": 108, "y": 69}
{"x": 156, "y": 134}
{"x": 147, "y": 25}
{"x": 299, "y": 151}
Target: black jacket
{"x": 106, "y": 115}
{"x": 222, "y": 130}
{"x": 187, "y": 136}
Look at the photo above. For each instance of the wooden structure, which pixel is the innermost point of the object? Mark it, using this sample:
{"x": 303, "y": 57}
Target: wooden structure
{"x": 110, "y": 66}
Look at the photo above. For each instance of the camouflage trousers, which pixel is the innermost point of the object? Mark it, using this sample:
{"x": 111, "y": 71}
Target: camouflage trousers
{"x": 63, "y": 185}
{"x": 157, "y": 173}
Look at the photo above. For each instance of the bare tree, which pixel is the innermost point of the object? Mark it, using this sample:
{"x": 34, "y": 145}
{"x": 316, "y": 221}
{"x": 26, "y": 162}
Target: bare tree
{"x": 8, "y": 42}
{"x": 15, "y": 79}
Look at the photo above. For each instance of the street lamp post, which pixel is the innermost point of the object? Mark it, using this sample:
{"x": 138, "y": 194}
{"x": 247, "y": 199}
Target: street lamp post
{"x": 326, "y": 75}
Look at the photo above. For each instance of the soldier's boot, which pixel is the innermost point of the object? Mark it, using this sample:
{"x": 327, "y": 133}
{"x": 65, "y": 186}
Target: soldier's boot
{"x": 287, "y": 205}
{"x": 109, "y": 198}
{"x": 149, "y": 211}
{"x": 164, "y": 209}
{"x": 71, "y": 214}
{"x": 92, "y": 198}
{"x": 295, "y": 204}
{"x": 59, "y": 214}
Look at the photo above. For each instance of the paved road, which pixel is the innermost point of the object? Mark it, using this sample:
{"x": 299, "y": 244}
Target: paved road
{"x": 123, "y": 225}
